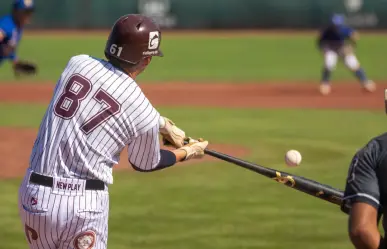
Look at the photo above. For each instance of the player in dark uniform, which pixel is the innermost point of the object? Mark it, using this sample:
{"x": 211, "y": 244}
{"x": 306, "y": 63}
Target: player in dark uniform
{"x": 366, "y": 192}
{"x": 11, "y": 31}
{"x": 336, "y": 42}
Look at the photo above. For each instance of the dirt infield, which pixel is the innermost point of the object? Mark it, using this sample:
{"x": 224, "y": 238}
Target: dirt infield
{"x": 18, "y": 142}
{"x": 274, "y": 95}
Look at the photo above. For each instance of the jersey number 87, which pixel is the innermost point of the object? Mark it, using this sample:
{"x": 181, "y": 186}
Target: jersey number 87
{"x": 76, "y": 89}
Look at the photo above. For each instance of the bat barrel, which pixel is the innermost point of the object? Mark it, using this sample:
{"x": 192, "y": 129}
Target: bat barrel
{"x": 317, "y": 189}
{"x": 302, "y": 184}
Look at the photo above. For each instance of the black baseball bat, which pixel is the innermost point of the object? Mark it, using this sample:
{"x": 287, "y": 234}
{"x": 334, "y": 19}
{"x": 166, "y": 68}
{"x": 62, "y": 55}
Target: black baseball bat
{"x": 308, "y": 186}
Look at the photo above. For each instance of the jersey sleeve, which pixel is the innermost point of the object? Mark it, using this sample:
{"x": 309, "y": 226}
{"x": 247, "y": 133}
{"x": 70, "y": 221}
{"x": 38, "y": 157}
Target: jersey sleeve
{"x": 362, "y": 181}
{"x": 6, "y": 28}
{"x": 144, "y": 150}
{"x": 347, "y": 32}
{"x": 143, "y": 116}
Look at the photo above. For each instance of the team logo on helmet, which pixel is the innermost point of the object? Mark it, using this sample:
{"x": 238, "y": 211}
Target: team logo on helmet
{"x": 85, "y": 240}
{"x": 154, "y": 40}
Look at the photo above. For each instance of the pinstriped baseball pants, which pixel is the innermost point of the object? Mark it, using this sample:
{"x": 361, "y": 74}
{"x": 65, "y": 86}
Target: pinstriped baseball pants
{"x": 63, "y": 219}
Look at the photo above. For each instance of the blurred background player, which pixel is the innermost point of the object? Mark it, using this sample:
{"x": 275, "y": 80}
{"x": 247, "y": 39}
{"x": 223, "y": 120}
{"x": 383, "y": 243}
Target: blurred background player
{"x": 11, "y": 30}
{"x": 337, "y": 41}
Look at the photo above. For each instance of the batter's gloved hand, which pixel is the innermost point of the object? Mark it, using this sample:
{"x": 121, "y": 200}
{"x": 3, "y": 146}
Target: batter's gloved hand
{"x": 24, "y": 68}
{"x": 171, "y": 133}
{"x": 194, "y": 148}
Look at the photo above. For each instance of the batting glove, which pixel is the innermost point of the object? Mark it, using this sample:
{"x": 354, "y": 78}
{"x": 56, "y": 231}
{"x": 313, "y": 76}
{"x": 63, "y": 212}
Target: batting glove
{"x": 171, "y": 133}
{"x": 195, "y": 148}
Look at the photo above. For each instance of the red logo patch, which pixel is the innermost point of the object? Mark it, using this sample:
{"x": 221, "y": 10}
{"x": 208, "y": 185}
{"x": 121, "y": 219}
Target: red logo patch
{"x": 34, "y": 201}
{"x": 85, "y": 240}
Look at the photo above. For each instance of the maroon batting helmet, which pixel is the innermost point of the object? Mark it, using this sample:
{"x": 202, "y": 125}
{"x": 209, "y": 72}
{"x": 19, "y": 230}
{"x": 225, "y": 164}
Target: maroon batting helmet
{"x": 132, "y": 38}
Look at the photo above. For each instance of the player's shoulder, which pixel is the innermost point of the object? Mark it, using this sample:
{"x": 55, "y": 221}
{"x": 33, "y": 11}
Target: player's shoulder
{"x": 7, "y": 23}
{"x": 346, "y": 29}
{"x": 322, "y": 30}
{"x": 7, "y": 19}
{"x": 142, "y": 113}
{"x": 379, "y": 141}
{"x": 380, "y": 147}
{"x": 375, "y": 149}
{"x": 82, "y": 58}
{"x": 84, "y": 62}
{"x": 325, "y": 31}
{"x": 78, "y": 58}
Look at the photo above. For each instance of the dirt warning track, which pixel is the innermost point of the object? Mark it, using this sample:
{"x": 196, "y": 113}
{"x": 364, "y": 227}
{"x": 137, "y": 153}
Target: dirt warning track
{"x": 274, "y": 95}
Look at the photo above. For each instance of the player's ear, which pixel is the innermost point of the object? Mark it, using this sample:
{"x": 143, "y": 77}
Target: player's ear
{"x": 144, "y": 63}
{"x": 147, "y": 60}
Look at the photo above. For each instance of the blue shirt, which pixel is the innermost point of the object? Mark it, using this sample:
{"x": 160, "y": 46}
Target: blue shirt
{"x": 12, "y": 34}
{"x": 335, "y": 35}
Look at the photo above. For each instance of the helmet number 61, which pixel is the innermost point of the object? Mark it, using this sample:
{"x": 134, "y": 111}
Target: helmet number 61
{"x": 114, "y": 49}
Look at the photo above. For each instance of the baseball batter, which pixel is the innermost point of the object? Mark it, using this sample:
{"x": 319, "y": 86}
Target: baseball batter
{"x": 96, "y": 110}
{"x": 11, "y": 30}
{"x": 337, "y": 41}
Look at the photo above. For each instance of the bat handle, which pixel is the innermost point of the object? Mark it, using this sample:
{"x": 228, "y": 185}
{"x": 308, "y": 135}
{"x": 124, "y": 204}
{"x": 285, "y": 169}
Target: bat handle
{"x": 166, "y": 142}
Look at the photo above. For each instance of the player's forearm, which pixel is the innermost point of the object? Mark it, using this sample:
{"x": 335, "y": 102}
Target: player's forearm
{"x": 167, "y": 159}
{"x": 365, "y": 237}
{"x": 170, "y": 157}
{"x": 180, "y": 154}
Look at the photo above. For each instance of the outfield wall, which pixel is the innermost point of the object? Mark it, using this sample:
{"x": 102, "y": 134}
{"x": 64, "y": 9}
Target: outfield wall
{"x": 203, "y": 14}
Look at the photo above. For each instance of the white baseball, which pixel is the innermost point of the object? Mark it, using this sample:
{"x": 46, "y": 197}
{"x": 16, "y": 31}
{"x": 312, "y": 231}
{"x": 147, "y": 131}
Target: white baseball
{"x": 293, "y": 158}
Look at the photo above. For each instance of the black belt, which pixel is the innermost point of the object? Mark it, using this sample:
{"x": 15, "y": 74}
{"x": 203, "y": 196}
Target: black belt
{"x": 49, "y": 182}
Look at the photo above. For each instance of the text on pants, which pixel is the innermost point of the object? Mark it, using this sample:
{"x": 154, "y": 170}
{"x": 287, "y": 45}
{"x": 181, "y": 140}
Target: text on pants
{"x": 68, "y": 186}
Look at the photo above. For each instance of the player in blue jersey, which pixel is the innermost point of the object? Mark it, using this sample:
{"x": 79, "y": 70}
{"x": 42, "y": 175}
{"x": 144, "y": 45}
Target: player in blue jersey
{"x": 11, "y": 30}
{"x": 337, "y": 42}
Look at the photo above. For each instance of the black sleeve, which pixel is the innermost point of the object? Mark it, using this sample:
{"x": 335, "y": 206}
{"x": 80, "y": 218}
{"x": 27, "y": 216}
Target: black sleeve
{"x": 167, "y": 159}
{"x": 145, "y": 155}
{"x": 362, "y": 181}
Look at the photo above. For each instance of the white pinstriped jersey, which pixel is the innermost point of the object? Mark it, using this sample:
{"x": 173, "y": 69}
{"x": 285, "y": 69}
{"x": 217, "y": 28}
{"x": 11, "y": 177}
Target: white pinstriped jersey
{"x": 95, "y": 111}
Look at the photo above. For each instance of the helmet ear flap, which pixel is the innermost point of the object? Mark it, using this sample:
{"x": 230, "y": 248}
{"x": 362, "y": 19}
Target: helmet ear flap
{"x": 119, "y": 63}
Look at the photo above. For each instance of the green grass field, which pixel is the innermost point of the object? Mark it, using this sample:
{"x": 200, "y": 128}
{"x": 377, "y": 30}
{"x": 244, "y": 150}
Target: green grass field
{"x": 218, "y": 205}
{"x": 250, "y": 58}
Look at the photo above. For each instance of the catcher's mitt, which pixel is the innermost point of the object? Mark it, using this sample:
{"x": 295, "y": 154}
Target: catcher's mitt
{"x": 24, "y": 68}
